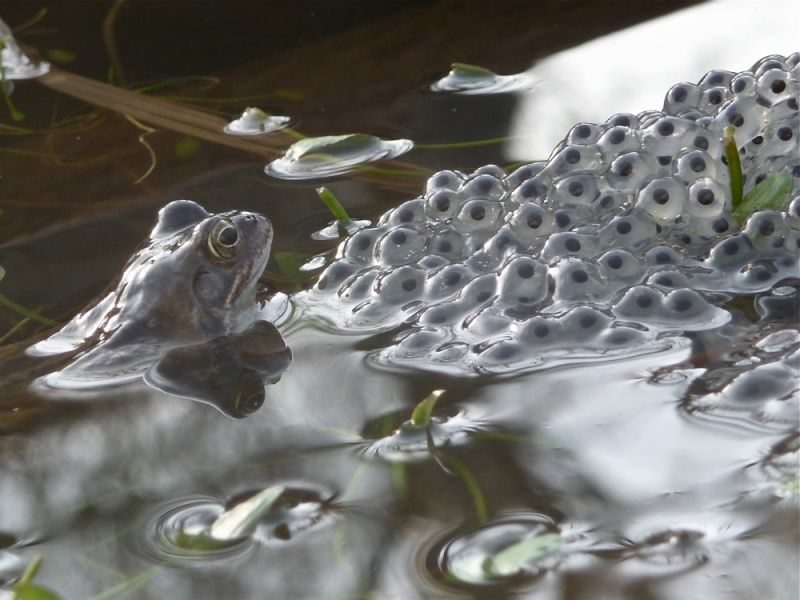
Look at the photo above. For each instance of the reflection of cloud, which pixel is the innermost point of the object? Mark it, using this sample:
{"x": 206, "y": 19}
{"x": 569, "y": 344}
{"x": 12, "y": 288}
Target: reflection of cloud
{"x": 631, "y": 70}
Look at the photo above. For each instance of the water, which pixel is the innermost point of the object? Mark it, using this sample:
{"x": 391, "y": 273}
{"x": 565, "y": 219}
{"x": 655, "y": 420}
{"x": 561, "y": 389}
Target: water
{"x": 636, "y": 477}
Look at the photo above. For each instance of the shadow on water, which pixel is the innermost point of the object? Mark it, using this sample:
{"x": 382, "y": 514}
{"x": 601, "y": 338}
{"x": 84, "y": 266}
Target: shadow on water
{"x": 643, "y": 477}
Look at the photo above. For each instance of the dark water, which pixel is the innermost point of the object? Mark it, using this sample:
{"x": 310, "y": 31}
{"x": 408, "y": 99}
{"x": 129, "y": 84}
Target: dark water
{"x": 631, "y": 494}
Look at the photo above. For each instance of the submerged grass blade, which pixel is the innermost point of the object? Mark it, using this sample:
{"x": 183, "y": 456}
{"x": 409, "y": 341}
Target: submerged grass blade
{"x": 734, "y": 166}
{"x": 31, "y": 591}
{"x": 26, "y": 312}
{"x": 770, "y": 194}
{"x": 474, "y": 489}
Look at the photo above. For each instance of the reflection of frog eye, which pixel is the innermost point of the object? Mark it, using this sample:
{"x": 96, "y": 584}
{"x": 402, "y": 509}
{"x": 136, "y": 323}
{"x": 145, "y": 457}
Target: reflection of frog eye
{"x": 223, "y": 240}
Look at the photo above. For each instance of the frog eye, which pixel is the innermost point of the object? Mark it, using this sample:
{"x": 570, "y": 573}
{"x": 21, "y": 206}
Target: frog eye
{"x": 223, "y": 240}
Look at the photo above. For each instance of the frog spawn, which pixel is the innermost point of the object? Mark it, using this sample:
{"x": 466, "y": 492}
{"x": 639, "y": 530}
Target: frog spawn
{"x": 623, "y": 235}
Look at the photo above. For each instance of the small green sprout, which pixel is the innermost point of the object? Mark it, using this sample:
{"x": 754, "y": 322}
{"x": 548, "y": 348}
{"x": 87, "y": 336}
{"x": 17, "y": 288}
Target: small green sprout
{"x": 421, "y": 416}
{"x": 337, "y": 210}
{"x": 734, "y": 166}
{"x": 25, "y": 589}
{"x": 464, "y": 70}
{"x": 513, "y": 559}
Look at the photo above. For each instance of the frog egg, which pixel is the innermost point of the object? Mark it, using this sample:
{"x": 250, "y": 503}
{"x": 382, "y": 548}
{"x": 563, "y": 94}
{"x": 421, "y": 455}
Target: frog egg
{"x": 694, "y": 164}
{"x": 745, "y": 115}
{"x": 360, "y": 287}
{"x": 713, "y": 98}
{"x": 659, "y": 256}
{"x": 663, "y": 198}
{"x": 360, "y": 247}
{"x": 701, "y": 230}
{"x": 629, "y": 171}
{"x": 611, "y": 202}
{"x": 419, "y": 343}
{"x": 707, "y": 199}
{"x": 619, "y": 140}
{"x": 577, "y": 279}
{"x": 480, "y": 291}
{"x": 524, "y": 173}
{"x": 623, "y": 120}
{"x": 766, "y": 230}
{"x": 783, "y": 139}
{"x": 583, "y": 323}
{"x": 530, "y": 223}
{"x": 431, "y": 262}
{"x": 448, "y": 281}
{"x": 484, "y": 185}
{"x": 408, "y": 213}
{"x": 441, "y": 205}
{"x": 666, "y": 135}
{"x": 534, "y": 190}
{"x": 776, "y": 85}
{"x": 523, "y": 283}
{"x": 793, "y": 60}
{"x": 400, "y": 246}
{"x": 768, "y": 63}
{"x": 669, "y": 280}
{"x": 757, "y": 275}
{"x": 584, "y": 133}
{"x": 690, "y": 310}
{"x": 716, "y": 78}
{"x": 336, "y": 274}
{"x": 793, "y": 213}
{"x": 447, "y": 244}
{"x": 639, "y": 303}
{"x": 540, "y": 331}
{"x": 731, "y": 253}
{"x": 501, "y": 244}
{"x": 401, "y": 285}
{"x": 627, "y": 231}
{"x": 569, "y": 244}
{"x": 621, "y": 336}
{"x": 484, "y": 323}
{"x": 566, "y": 219}
{"x": 743, "y": 84}
{"x": 621, "y": 265}
{"x": 478, "y": 215}
{"x": 680, "y": 97}
{"x": 576, "y": 158}
{"x": 573, "y": 190}
{"x": 490, "y": 169}
{"x": 444, "y": 180}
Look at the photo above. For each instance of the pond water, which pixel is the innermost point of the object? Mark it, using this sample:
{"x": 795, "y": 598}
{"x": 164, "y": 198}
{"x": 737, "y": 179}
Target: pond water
{"x": 622, "y": 476}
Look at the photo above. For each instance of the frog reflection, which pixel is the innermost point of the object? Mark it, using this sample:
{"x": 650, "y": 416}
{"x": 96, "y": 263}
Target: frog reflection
{"x": 194, "y": 281}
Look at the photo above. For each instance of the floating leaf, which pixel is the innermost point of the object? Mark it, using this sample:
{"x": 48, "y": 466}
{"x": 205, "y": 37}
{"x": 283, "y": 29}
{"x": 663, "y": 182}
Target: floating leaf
{"x": 331, "y": 155}
{"x": 242, "y": 519}
{"x": 516, "y": 557}
{"x": 770, "y": 194}
{"x": 467, "y": 70}
{"x": 471, "y": 79}
{"x": 255, "y": 121}
{"x": 421, "y": 417}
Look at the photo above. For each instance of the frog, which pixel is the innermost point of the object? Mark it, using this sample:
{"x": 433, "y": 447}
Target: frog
{"x": 195, "y": 279}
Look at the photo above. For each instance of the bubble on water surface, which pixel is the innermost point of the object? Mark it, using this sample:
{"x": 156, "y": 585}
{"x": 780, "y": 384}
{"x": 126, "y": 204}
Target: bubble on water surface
{"x": 255, "y": 121}
{"x": 328, "y": 156}
{"x": 469, "y": 79}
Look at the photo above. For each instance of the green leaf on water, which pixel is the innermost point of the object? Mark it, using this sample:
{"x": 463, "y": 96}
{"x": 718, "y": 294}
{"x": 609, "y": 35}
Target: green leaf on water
{"x": 326, "y": 147}
{"x": 470, "y": 71}
{"x": 421, "y": 417}
{"x": 770, "y": 194}
{"x": 31, "y": 591}
{"x": 513, "y": 559}
{"x": 5, "y": 90}
{"x": 289, "y": 263}
{"x": 61, "y": 56}
{"x": 187, "y": 146}
{"x": 242, "y": 519}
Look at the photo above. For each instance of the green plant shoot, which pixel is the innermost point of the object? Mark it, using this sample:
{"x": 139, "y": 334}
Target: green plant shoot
{"x": 770, "y": 194}
{"x": 734, "y": 166}
{"x": 336, "y": 208}
{"x": 421, "y": 416}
